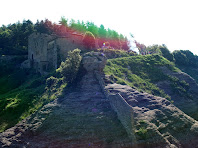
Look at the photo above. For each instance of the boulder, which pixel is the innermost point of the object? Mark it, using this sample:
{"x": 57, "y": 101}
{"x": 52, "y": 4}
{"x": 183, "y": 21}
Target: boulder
{"x": 94, "y": 61}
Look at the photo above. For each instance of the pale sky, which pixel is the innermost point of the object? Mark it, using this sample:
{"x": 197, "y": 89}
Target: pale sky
{"x": 170, "y": 22}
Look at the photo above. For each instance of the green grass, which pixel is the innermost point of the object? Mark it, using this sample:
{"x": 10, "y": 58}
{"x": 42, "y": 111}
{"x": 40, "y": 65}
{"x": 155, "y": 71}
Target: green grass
{"x": 140, "y": 72}
{"x": 192, "y": 71}
{"x": 21, "y": 94}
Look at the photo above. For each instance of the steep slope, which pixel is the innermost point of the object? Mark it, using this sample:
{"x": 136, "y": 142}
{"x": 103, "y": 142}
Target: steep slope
{"x": 100, "y": 113}
{"x": 157, "y": 122}
{"x": 83, "y": 118}
{"x": 183, "y": 91}
{"x": 158, "y": 76}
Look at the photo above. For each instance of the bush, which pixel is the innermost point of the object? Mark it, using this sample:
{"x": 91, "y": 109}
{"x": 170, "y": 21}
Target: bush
{"x": 180, "y": 58}
{"x": 51, "y": 81}
{"x": 70, "y": 67}
{"x": 89, "y": 40}
{"x": 166, "y": 53}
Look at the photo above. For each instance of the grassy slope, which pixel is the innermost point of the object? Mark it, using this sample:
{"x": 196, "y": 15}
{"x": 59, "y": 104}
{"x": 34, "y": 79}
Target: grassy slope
{"x": 192, "y": 71}
{"x": 140, "y": 72}
{"x": 21, "y": 94}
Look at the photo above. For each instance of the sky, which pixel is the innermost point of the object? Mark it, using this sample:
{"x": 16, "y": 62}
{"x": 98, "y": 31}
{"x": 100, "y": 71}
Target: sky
{"x": 170, "y": 22}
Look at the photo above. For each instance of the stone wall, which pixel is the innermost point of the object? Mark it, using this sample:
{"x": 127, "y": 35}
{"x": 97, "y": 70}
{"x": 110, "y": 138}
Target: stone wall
{"x": 66, "y": 44}
{"x": 45, "y": 52}
{"x": 42, "y": 52}
{"x": 124, "y": 112}
{"x": 121, "y": 107}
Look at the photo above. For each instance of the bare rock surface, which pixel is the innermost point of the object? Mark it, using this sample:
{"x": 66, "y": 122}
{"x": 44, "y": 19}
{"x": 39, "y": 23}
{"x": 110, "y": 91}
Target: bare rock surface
{"x": 94, "y": 61}
{"x": 158, "y": 122}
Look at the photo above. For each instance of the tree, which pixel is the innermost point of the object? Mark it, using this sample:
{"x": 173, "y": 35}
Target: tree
{"x": 102, "y": 32}
{"x": 63, "y": 21}
{"x": 70, "y": 67}
{"x": 89, "y": 40}
{"x": 91, "y": 27}
{"x": 180, "y": 58}
{"x": 166, "y": 53}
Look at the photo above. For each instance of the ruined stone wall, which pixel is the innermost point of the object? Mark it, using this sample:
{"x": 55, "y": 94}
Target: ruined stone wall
{"x": 52, "y": 55}
{"x": 124, "y": 112}
{"x": 121, "y": 107}
{"x": 66, "y": 44}
{"x": 46, "y": 52}
{"x": 38, "y": 50}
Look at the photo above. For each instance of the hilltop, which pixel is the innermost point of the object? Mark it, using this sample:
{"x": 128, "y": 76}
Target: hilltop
{"x": 100, "y": 113}
{"x": 103, "y": 95}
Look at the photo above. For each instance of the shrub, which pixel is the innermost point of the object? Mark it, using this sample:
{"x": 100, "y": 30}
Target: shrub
{"x": 180, "y": 58}
{"x": 51, "y": 81}
{"x": 166, "y": 53}
{"x": 70, "y": 67}
{"x": 89, "y": 40}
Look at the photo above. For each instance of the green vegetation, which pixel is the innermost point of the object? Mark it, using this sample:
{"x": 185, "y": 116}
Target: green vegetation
{"x": 183, "y": 59}
{"x": 14, "y": 37}
{"x": 180, "y": 87}
{"x": 19, "y": 100}
{"x": 187, "y": 62}
{"x": 89, "y": 40}
{"x": 23, "y": 92}
{"x": 142, "y": 133}
{"x": 69, "y": 68}
{"x": 140, "y": 72}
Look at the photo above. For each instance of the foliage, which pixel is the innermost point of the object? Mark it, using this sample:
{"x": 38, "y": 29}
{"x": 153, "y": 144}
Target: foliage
{"x": 185, "y": 58}
{"x": 14, "y": 37}
{"x": 63, "y": 21}
{"x": 89, "y": 40}
{"x": 180, "y": 87}
{"x": 69, "y": 68}
{"x": 153, "y": 49}
{"x": 166, "y": 53}
{"x": 180, "y": 58}
{"x": 20, "y": 99}
{"x": 140, "y": 72}
{"x": 187, "y": 62}
{"x": 142, "y": 133}
{"x": 22, "y": 92}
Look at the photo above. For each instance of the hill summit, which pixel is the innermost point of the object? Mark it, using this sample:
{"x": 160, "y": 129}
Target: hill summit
{"x": 105, "y": 110}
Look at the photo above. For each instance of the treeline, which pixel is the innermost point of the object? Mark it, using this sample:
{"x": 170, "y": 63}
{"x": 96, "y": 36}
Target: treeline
{"x": 111, "y": 37}
{"x": 14, "y": 37}
{"x": 180, "y": 57}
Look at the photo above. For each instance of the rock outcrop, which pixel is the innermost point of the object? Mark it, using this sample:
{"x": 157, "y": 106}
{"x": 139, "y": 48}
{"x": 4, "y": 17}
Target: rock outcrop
{"x": 156, "y": 121}
{"x": 82, "y": 118}
{"x": 94, "y": 61}
{"x": 99, "y": 114}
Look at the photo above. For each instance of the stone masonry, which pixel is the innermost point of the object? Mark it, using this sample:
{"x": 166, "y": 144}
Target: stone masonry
{"x": 45, "y": 52}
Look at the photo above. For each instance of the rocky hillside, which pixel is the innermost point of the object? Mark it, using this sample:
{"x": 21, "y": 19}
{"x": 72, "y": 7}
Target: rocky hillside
{"x": 142, "y": 111}
{"x": 158, "y": 76}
